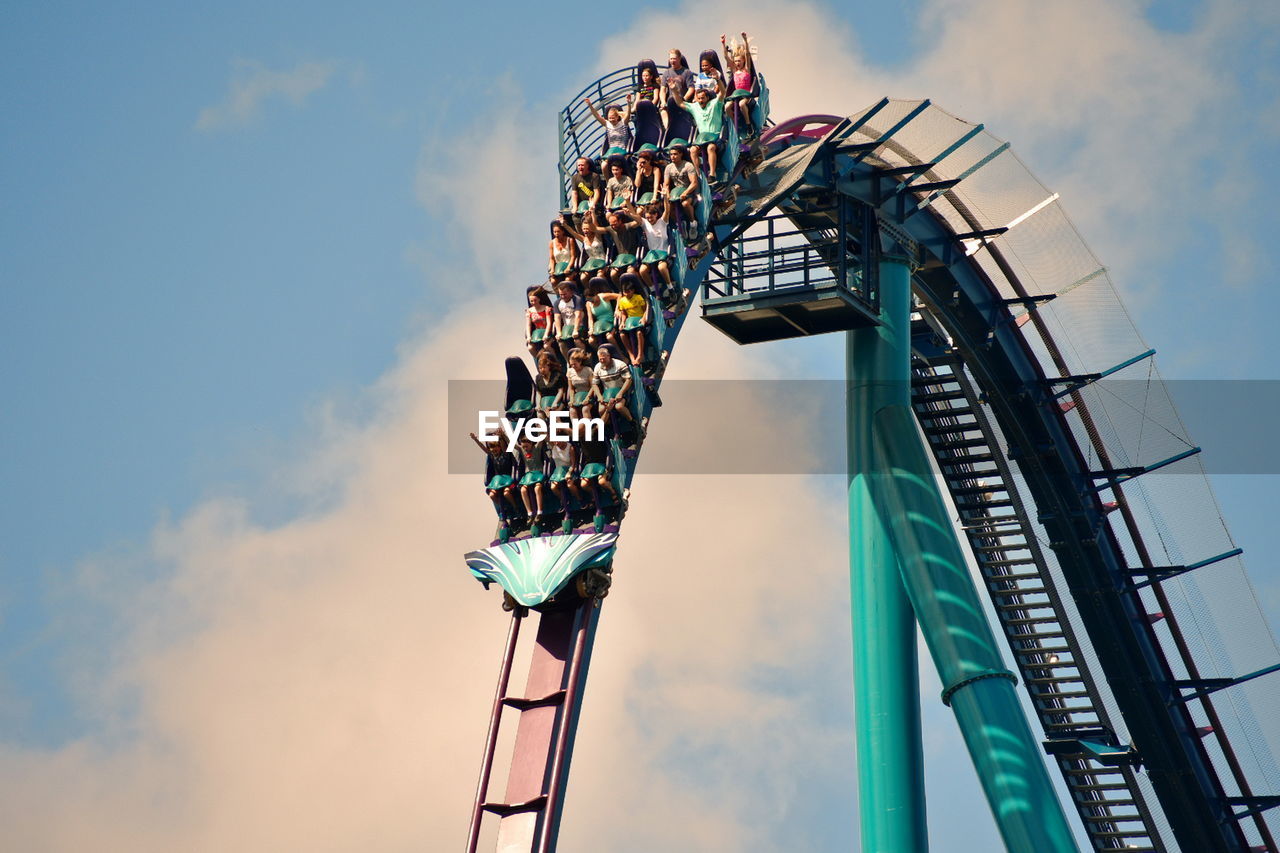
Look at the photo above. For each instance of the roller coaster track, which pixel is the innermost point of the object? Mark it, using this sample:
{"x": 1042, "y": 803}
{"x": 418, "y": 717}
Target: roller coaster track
{"x": 1150, "y": 725}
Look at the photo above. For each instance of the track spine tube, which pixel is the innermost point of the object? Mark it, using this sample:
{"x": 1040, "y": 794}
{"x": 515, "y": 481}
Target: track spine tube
{"x": 585, "y": 623}
{"x": 885, "y": 665}
{"x": 980, "y": 691}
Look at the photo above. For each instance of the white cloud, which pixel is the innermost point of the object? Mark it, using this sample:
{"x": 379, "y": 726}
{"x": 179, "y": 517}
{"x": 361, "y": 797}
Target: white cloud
{"x": 253, "y": 85}
{"x": 481, "y": 181}
{"x": 323, "y": 684}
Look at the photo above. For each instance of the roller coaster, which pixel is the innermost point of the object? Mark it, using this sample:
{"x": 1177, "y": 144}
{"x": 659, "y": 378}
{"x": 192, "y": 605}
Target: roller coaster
{"x": 1007, "y": 430}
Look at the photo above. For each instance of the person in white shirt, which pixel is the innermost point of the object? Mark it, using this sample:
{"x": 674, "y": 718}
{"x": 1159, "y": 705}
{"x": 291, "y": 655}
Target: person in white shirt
{"x": 581, "y": 382}
{"x": 654, "y": 225}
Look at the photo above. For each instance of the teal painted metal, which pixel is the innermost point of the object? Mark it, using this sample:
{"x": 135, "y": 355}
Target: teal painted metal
{"x": 533, "y": 570}
{"x": 885, "y": 671}
{"x": 976, "y": 685}
{"x": 1075, "y": 383}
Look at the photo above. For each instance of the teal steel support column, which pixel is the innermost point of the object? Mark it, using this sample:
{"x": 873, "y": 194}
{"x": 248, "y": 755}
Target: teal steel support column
{"x": 885, "y": 676}
{"x": 976, "y": 685}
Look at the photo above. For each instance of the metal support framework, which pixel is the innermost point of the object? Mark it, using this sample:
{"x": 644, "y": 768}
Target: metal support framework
{"x": 1045, "y": 647}
{"x": 1116, "y": 476}
{"x": 1173, "y": 760}
{"x": 1157, "y": 574}
{"x": 897, "y": 520}
{"x": 886, "y": 677}
{"x": 809, "y": 267}
{"x": 977, "y": 686}
{"x": 815, "y": 240}
{"x": 529, "y": 812}
{"x": 1253, "y": 805}
{"x": 1202, "y": 687}
{"x": 1075, "y": 383}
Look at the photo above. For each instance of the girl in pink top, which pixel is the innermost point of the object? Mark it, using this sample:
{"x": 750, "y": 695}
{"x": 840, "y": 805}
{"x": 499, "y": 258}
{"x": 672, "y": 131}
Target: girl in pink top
{"x": 742, "y": 74}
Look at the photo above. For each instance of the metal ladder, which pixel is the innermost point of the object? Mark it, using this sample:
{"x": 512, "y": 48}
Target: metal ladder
{"x": 529, "y": 813}
{"x": 1062, "y": 689}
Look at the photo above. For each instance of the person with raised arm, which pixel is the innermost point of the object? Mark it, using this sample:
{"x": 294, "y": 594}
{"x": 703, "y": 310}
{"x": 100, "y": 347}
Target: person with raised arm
{"x": 594, "y": 251}
{"x": 742, "y": 73}
{"x": 654, "y": 224}
{"x": 708, "y": 117}
{"x": 617, "y": 127}
{"x": 501, "y": 470}
{"x": 626, "y": 242}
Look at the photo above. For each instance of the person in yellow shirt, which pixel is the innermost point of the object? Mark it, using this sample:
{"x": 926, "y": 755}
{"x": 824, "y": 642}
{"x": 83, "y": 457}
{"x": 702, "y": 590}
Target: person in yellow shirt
{"x": 632, "y": 317}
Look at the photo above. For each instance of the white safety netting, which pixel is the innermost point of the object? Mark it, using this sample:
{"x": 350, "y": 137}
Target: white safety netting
{"x": 1127, "y": 420}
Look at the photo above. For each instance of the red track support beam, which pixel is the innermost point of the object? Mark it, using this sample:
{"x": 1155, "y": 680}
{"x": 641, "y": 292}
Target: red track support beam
{"x": 530, "y": 809}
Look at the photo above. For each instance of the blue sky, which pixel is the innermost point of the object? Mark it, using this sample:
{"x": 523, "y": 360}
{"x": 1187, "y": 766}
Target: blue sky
{"x": 231, "y": 231}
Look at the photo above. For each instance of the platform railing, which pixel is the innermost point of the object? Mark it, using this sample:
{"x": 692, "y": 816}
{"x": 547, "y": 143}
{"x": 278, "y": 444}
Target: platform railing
{"x": 790, "y": 248}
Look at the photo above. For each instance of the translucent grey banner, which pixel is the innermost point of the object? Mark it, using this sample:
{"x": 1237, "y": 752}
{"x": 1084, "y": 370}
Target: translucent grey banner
{"x": 797, "y": 426}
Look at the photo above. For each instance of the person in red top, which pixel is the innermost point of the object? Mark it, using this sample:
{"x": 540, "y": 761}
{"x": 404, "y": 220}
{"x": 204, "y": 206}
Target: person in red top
{"x": 537, "y": 321}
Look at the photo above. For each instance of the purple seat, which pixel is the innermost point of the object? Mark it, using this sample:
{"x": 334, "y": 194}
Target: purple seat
{"x": 642, "y": 65}
{"x": 681, "y": 126}
{"x": 714, "y": 58}
{"x": 647, "y": 125}
{"x": 519, "y": 381}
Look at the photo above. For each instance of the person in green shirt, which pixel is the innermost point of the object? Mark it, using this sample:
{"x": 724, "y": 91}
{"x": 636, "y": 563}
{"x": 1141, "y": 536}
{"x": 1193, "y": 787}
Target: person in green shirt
{"x": 708, "y": 117}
